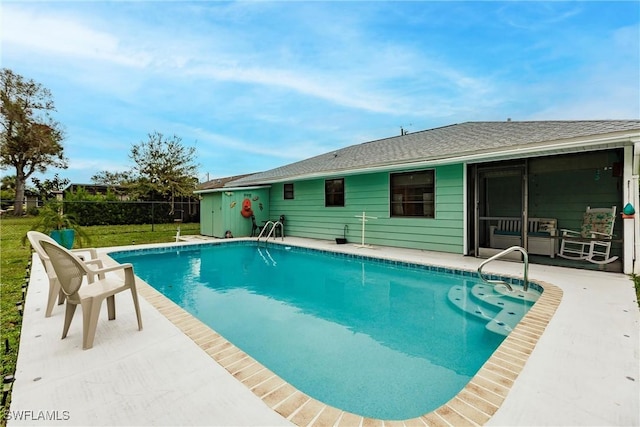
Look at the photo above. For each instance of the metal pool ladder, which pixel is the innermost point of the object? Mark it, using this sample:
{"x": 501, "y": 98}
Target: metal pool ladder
{"x": 525, "y": 285}
{"x": 273, "y": 225}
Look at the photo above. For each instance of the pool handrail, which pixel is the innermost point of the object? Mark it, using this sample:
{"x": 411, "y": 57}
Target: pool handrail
{"x": 274, "y": 225}
{"x": 525, "y": 285}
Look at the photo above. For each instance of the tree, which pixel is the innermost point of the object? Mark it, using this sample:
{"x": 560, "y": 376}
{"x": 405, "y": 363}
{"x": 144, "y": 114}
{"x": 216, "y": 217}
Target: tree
{"x": 46, "y": 188}
{"x": 112, "y": 178}
{"x": 7, "y": 191}
{"x": 8, "y": 182}
{"x": 30, "y": 140}
{"x": 164, "y": 168}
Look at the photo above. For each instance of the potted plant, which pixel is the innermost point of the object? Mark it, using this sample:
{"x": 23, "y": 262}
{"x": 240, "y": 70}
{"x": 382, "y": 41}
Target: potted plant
{"x": 63, "y": 228}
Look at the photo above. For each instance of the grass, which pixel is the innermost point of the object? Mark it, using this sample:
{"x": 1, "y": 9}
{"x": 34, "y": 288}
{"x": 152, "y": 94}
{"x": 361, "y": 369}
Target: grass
{"x": 14, "y": 268}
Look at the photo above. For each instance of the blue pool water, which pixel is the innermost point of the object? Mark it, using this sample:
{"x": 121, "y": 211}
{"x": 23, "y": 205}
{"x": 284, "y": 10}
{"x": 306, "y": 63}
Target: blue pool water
{"x": 374, "y": 338}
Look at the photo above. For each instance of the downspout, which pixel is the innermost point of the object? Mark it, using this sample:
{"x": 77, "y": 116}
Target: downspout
{"x": 634, "y": 196}
{"x": 465, "y": 210}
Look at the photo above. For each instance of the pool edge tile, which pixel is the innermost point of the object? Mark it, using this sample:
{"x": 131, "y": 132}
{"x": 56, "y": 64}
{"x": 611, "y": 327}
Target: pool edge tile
{"x": 307, "y": 413}
{"x": 328, "y": 417}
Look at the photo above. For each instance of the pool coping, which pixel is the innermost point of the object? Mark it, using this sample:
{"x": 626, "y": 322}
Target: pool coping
{"x": 475, "y": 404}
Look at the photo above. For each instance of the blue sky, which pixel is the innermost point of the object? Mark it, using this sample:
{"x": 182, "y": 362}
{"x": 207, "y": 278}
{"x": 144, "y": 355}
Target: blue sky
{"x": 256, "y": 85}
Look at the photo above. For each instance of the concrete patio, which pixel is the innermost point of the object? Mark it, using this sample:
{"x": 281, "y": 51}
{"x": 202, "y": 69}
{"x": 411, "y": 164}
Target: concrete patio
{"x": 584, "y": 370}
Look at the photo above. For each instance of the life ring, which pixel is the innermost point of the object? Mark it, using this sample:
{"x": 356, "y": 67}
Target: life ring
{"x": 246, "y": 210}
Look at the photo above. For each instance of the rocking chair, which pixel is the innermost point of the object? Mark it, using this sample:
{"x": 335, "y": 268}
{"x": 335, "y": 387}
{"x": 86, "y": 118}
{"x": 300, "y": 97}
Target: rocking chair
{"x": 593, "y": 242}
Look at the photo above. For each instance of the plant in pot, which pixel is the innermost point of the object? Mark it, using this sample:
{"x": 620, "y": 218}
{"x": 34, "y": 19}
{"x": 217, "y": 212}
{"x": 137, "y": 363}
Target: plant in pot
{"x": 63, "y": 228}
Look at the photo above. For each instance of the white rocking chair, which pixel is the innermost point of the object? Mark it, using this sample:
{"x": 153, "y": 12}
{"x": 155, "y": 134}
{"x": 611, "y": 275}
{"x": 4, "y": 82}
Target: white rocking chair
{"x": 593, "y": 242}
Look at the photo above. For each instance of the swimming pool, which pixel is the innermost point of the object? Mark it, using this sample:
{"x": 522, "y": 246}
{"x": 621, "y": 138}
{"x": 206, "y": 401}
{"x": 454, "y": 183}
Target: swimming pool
{"x": 380, "y": 339}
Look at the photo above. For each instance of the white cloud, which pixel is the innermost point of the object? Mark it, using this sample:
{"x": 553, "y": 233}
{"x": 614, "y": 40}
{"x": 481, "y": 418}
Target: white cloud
{"x": 212, "y": 145}
{"x": 93, "y": 164}
{"x": 53, "y": 35}
{"x": 358, "y": 74}
{"x": 537, "y": 15}
{"x": 244, "y": 77}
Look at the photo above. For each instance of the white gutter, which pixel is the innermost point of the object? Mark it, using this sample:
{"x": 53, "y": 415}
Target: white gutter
{"x": 226, "y": 189}
{"x": 576, "y": 145}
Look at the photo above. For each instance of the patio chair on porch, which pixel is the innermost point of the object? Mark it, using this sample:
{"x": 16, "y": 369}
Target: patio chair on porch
{"x": 71, "y": 270}
{"x": 593, "y": 242}
{"x": 36, "y": 238}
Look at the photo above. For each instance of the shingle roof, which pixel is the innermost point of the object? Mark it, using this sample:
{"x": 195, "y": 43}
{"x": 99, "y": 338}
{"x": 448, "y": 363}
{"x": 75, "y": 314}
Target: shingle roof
{"x": 219, "y": 182}
{"x": 441, "y": 143}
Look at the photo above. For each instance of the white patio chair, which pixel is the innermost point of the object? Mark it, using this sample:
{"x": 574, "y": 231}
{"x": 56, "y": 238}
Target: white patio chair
{"x": 35, "y": 238}
{"x": 71, "y": 270}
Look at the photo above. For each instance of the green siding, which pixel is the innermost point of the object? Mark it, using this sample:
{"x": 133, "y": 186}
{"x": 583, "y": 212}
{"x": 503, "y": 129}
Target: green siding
{"x": 221, "y": 211}
{"x": 558, "y": 187}
{"x": 307, "y": 216}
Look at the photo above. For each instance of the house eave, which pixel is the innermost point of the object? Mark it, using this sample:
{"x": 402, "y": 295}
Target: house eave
{"x": 229, "y": 189}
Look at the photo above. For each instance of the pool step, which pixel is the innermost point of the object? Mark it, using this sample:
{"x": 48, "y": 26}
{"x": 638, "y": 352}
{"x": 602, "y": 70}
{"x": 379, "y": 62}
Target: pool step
{"x": 502, "y": 311}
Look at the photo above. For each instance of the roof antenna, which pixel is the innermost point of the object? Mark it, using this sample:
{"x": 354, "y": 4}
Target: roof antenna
{"x": 403, "y": 131}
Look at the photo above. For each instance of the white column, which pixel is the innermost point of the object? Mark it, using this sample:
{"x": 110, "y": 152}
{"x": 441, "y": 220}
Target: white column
{"x": 635, "y": 241}
{"x": 627, "y": 224}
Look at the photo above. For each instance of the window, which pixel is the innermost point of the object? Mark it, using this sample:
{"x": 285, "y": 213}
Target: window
{"x": 288, "y": 191}
{"x": 334, "y": 192}
{"x": 412, "y": 194}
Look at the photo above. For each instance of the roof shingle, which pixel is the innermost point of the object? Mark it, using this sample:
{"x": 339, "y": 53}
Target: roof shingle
{"x": 442, "y": 143}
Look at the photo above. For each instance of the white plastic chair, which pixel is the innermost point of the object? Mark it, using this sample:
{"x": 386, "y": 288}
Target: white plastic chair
{"x": 35, "y": 238}
{"x": 71, "y": 270}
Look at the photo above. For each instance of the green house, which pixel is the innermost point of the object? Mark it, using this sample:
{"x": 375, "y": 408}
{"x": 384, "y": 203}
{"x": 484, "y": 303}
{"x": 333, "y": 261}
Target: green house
{"x": 448, "y": 189}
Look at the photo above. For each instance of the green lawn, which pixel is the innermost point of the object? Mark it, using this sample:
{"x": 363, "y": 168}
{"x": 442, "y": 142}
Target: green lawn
{"x": 14, "y": 259}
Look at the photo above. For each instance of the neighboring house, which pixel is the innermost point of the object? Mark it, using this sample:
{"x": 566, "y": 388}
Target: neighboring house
{"x": 443, "y": 189}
